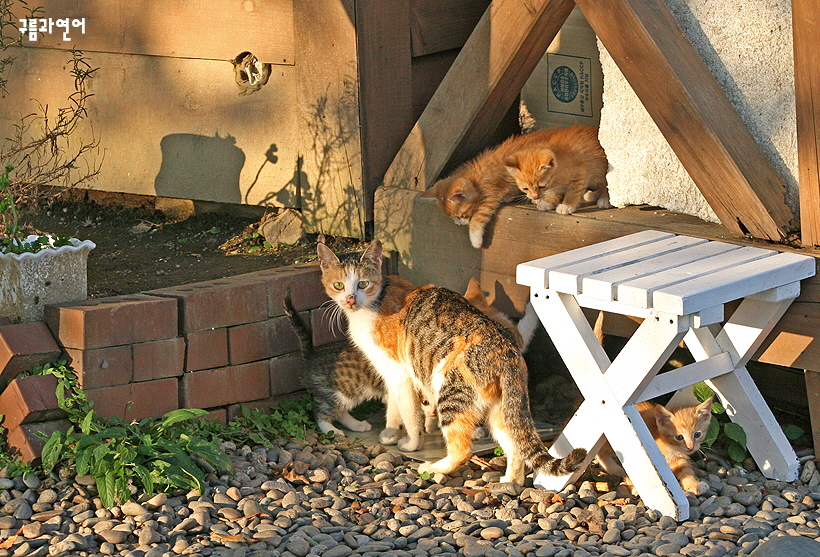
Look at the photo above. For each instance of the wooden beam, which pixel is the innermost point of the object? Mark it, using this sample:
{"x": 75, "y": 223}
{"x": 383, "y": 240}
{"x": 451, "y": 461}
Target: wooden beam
{"x": 813, "y": 393}
{"x": 438, "y": 25}
{"x": 509, "y": 40}
{"x": 694, "y": 114}
{"x": 385, "y": 86}
{"x": 806, "y": 31}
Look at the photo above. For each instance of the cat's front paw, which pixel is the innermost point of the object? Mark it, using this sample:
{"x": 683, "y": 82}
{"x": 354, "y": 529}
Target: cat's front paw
{"x": 696, "y": 487}
{"x": 542, "y": 205}
{"x": 410, "y": 445}
{"x": 431, "y": 424}
{"x": 603, "y": 203}
{"x": 389, "y": 436}
{"x": 564, "y": 209}
{"x": 477, "y": 238}
{"x": 360, "y": 426}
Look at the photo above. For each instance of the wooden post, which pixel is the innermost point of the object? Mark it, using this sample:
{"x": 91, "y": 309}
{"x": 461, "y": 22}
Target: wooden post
{"x": 694, "y": 114}
{"x": 813, "y": 394}
{"x": 806, "y": 28}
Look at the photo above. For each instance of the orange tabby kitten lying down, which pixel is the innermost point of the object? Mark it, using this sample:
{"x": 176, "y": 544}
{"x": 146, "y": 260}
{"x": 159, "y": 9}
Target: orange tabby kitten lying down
{"x": 472, "y": 194}
{"x": 557, "y": 170}
{"x": 678, "y": 434}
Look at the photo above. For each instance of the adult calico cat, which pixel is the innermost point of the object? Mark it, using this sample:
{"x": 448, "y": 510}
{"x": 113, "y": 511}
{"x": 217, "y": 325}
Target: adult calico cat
{"x": 432, "y": 340}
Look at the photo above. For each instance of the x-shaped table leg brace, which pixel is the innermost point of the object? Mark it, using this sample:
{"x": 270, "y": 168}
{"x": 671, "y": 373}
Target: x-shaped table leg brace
{"x": 740, "y": 337}
{"x": 610, "y": 391}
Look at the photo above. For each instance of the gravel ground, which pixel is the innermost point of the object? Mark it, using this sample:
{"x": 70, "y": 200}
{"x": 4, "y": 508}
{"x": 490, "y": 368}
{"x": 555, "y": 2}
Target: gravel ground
{"x": 301, "y": 499}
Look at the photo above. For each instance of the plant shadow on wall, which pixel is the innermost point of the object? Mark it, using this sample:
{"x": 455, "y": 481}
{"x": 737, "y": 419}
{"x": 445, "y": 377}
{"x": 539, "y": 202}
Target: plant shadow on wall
{"x": 42, "y": 153}
{"x": 200, "y": 167}
{"x": 332, "y": 203}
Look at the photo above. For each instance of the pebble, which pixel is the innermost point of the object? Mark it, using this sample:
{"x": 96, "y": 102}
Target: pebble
{"x": 368, "y": 502}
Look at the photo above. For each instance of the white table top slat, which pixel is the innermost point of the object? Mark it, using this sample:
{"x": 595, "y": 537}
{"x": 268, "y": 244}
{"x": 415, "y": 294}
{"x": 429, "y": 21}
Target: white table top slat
{"x": 638, "y": 292}
{"x": 602, "y": 285}
{"x": 730, "y": 284}
{"x": 535, "y": 273}
{"x": 568, "y": 278}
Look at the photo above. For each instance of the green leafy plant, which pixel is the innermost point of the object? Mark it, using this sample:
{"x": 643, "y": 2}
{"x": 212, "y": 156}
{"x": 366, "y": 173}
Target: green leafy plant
{"x": 152, "y": 453}
{"x": 793, "y": 432}
{"x": 426, "y": 476}
{"x": 730, "y": 433}
{"x": 498, "y": 451}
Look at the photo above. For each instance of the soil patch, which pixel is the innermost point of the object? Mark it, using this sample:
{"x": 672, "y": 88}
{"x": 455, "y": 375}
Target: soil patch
{"x": 141, "y": 249}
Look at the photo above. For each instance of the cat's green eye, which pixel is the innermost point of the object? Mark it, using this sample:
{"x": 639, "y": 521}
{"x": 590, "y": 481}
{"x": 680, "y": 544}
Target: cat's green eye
{"x": 697, "y": 434}
{"x": 339, "y": 285}
{"x": 363, "y": 284}
{"x": 679, "y": 437}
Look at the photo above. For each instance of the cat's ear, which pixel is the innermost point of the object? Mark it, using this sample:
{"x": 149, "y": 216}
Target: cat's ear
{"x": 436, "y": 191}
{"x": 373, "y": 253}
{"x": 704, "y": 409}
{"x": 460, "y": 190}
{"x": 512, "y": 164}
{"x": 662, "y": 415}
{"x": 326, "y": 257}
{"x": 474, "y": 291}
{"x": 547, "y": 161}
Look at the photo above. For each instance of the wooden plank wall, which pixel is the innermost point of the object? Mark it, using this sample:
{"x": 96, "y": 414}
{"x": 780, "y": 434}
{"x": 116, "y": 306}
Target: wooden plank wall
{"x": 405, "y": 49}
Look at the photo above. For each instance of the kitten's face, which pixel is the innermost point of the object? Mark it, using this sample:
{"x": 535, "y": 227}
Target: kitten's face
{"x": 532, "y": 171}
{"x": 685, "y": 428}
{"x": 352, "y": 282}
{"x": 457, "y": 198}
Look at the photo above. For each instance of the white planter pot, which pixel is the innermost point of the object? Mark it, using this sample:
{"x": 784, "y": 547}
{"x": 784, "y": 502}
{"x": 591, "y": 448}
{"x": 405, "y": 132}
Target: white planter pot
{"x": 30, "y": 281}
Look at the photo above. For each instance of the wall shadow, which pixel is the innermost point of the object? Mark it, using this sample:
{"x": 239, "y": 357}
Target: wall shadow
{"x": 200, "y": 167}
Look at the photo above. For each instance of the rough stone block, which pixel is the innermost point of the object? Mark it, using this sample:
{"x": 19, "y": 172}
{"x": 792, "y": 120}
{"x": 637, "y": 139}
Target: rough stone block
{"x": 136, "y": 401}
{"x": 206, "y": 349}
{"x": 102, "y": 367}
{"x": 30, "y": 399}
{"x": 262, "y": 340}
{"x": 24, "y": 346}
{"x": 218, "y": 303}
{"x": 304, "y": 281}
{"x": 228, "y": 385}
{"x": 25, "y": 440}
{"x": 113, "y": 321}
{"x": 158, "y": 359}
{"x": 283, "y": 228}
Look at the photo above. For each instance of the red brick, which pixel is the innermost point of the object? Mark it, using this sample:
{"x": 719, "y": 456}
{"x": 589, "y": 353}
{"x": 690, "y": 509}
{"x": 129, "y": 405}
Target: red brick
{"x": 206, "y": 349}
{"x": 305, "y": 285}
{"x": 158, "y": 359}
{"x": 25, "y": 441}
{"x": 286, "y": 374}
{"x": 218, "y": 303}
{"x": 147, "y": 399}
{"x": 102, "y": 367}
{"x": 259, "y": 341}
{"x": 228, "y": 385}
{"x": 218, "y": 415}
{"x": 30, "y": 399}
{"x": 326, "y": 329}
{"x": 24, "y": 346}
{"x": 114, "y": 321}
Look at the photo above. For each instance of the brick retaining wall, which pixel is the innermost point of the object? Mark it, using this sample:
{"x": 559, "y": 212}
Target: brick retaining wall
{"x": 214, "y": 345}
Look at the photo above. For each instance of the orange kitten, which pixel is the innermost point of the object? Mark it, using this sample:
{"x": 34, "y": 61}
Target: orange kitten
{"x": 473, "y": 192}
{"x": 560, "y": 167}
{"x": 678, "y": 434}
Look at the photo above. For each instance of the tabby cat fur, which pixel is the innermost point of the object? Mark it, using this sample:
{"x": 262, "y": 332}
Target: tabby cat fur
{"x": 559, "y": 167}
{"x": 678, "y": 434}
{"x": 433, "y": 340}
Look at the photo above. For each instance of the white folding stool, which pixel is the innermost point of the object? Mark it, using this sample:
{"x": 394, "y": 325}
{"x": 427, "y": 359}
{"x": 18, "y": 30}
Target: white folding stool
{"x": 678, "y": 285}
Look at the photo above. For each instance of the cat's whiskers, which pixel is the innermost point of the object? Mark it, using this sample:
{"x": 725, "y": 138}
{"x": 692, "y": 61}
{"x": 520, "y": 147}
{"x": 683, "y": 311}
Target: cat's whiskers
{"x": 335, "y": 316}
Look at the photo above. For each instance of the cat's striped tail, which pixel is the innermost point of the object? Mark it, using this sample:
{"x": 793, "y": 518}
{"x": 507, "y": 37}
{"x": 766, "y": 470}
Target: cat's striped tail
{"x": 303, "y": 334}
{"x": 550, "y": 466}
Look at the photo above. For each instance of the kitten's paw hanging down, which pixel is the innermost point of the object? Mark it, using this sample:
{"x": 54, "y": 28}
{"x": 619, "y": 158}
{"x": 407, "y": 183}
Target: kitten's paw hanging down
{"x": 353, "y": 424}
{"x": 408, "y": 444}
{"x": 542, "y": 205}
{"x": 431, "y": 424}
{"x": 603, "y": 203}
{"x": 477, "y": 238}
{"x": 564, "y": 209}
{"x": 389, "y": 436}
